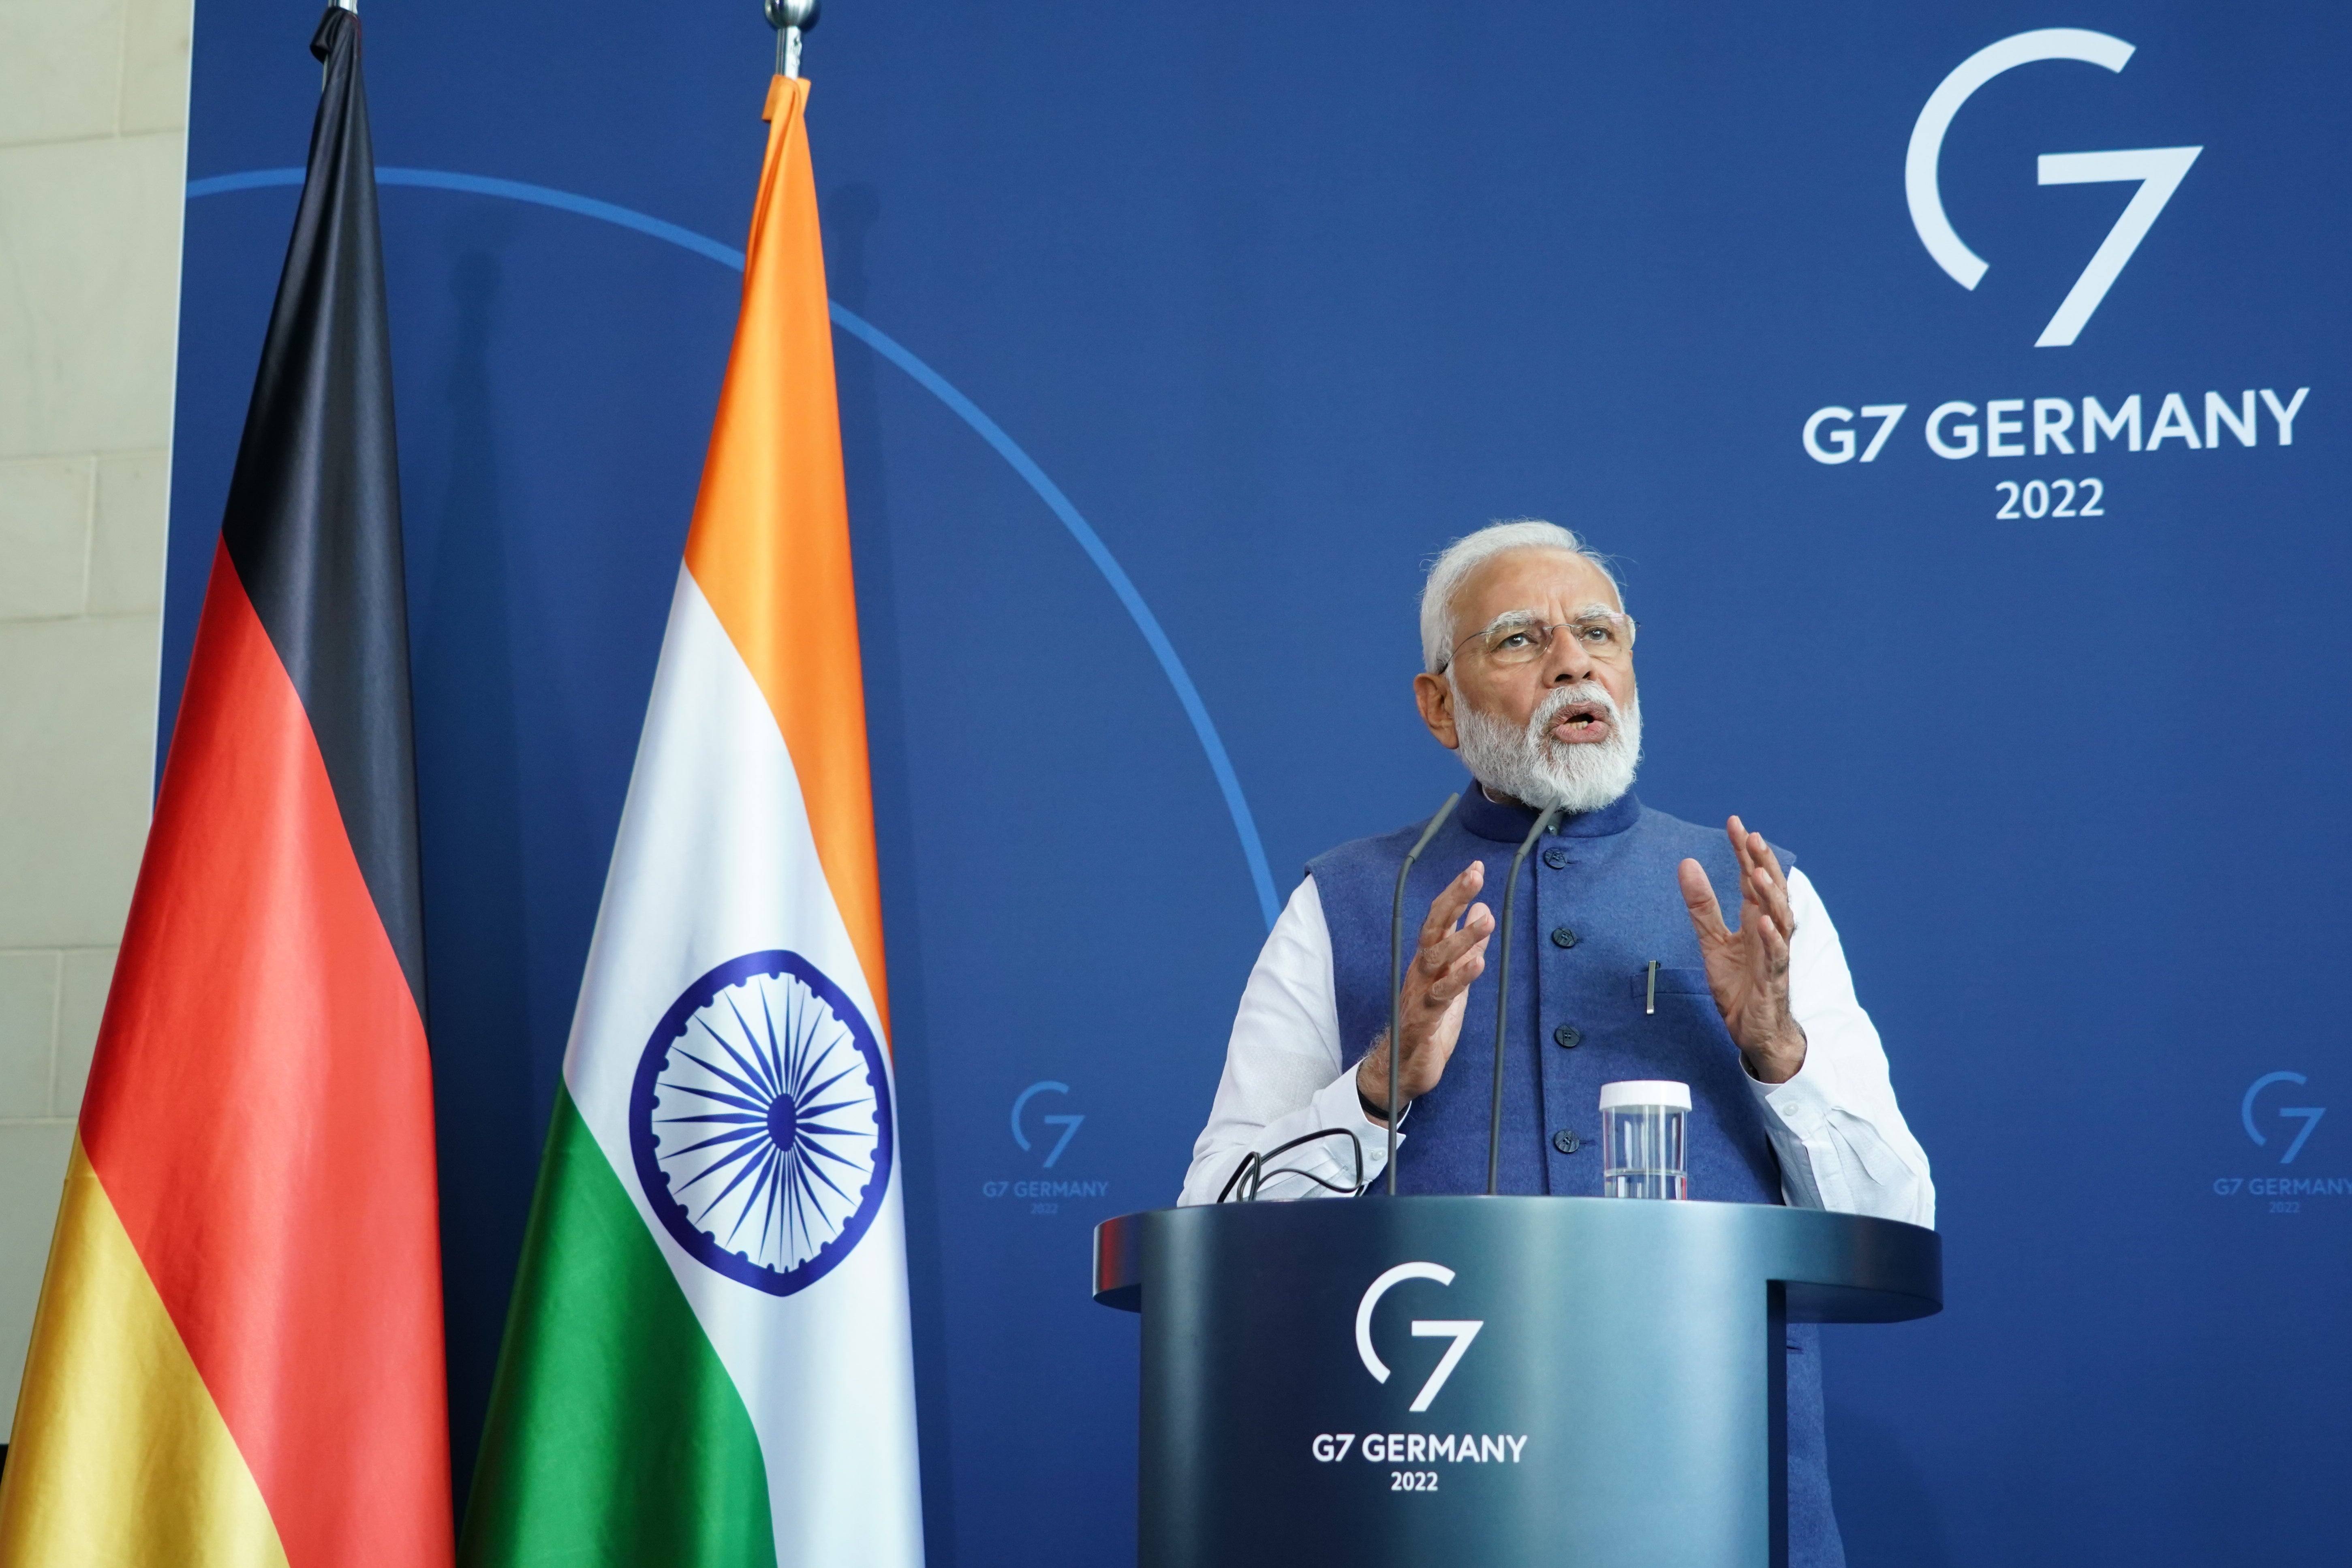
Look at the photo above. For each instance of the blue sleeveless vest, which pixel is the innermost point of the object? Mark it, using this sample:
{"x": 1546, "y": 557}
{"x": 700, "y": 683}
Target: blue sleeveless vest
{"x": 1598, "y": 903}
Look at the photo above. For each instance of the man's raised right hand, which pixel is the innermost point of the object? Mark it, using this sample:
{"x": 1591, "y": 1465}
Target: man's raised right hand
{"x": 1452, "y": 953}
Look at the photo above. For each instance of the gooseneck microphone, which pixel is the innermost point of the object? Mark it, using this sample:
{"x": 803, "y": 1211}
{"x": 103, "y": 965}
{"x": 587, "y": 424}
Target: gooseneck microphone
{"x": 1396, "y": 976}
{"x": 1503, "y": 997}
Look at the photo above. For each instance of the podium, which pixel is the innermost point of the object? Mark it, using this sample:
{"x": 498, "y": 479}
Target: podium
{"x": 1592, "y": 1382}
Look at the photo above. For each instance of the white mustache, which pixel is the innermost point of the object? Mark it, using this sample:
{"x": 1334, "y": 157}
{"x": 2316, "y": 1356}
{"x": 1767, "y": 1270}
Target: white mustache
{"x": 1587, "y": 694}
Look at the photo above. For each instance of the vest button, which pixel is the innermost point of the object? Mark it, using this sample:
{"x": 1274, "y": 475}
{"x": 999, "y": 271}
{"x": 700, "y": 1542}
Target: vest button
{"x": 1556, "y": 858}
{"x": 1565, "y": 1141}
{"x": 1567, "y": 1039}
{"x": 1562, "y": 937}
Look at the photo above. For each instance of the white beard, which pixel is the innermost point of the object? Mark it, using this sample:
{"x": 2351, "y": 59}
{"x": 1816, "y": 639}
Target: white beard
{"x": 1532, "y": 768}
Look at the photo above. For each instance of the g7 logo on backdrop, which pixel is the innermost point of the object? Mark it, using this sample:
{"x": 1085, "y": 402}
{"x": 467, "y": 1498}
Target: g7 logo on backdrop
{"x": 2308, "y": 1115}
{"x": 1068, "y": 1123}
{"x": 2158, "y": 171}
{"x": 1461, "y": 1330}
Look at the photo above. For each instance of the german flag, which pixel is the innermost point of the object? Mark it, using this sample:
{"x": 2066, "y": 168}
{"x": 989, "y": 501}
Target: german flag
{"x": 238, "y": 1352}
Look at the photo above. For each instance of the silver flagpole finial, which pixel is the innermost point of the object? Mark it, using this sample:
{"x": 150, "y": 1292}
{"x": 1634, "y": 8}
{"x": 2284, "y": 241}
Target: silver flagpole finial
{"x": 789, "y": 18}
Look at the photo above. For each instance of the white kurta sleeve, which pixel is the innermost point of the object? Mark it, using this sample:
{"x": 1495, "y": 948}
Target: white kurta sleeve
{"x": 1842, "y": 1138}
{"x": 1285, "y": 1078}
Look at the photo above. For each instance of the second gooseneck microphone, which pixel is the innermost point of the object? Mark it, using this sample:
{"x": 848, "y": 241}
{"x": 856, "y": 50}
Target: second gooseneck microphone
{"x": 1503, "y": 995}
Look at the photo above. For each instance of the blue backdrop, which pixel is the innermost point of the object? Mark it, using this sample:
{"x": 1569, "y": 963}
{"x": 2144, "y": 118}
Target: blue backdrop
{"x": 1210, "y": 328}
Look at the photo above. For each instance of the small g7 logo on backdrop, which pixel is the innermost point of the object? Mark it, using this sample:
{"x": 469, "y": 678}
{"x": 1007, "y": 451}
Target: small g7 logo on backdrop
{"x": 2308, "y": 1115}
{"x": 2158, "y": 170}
{"x": 1068, "y": 1123}
{"x": 1461, "y": 1330}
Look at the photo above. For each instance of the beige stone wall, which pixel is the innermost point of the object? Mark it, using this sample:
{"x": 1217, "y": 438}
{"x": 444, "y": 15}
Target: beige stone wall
{"x": 93, "y": 115}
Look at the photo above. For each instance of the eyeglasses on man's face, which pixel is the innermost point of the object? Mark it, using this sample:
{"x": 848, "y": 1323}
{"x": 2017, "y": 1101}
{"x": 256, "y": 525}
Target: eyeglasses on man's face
{"x": 1601, "y": 634}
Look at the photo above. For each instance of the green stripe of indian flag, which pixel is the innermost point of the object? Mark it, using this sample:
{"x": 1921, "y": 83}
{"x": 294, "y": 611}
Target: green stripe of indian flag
{"x": 615, "y": 1435}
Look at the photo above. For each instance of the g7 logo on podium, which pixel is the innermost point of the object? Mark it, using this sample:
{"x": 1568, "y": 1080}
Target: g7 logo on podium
{"x": 2308, "y": 1115}
{"x": 1461, "y": 1330}
{"x": 2158, "y": 171}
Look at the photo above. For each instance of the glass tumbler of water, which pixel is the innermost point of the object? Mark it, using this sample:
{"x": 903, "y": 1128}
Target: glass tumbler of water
{"x": 1641, "y": 1139}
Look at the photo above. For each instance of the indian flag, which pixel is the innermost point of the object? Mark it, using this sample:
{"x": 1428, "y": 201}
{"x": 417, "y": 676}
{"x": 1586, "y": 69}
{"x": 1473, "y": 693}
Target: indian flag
{"x": 708, "y": 1359}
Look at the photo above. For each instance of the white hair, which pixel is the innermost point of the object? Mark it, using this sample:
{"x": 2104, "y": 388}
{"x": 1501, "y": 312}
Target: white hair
{"x": 1466, "y": 553}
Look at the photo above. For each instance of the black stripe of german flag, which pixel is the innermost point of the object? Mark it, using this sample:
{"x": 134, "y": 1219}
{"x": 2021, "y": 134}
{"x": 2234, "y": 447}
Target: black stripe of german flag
{"x": 313, "y": 516}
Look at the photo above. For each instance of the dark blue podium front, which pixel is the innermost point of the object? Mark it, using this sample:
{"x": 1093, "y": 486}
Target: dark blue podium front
{"x": 1423, "y": 1380}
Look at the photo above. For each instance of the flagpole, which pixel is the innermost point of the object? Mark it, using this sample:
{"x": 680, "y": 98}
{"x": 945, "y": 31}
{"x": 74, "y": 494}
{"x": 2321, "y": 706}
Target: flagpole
{"x": 789, "y": 18}
{"x": 353, "y": 7}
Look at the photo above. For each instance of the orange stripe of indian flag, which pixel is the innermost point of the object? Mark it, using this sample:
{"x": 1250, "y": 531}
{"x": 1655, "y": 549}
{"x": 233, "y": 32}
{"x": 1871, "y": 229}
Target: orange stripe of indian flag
{"x": 770, "y": 544}
{"x": 125, "y": 1459}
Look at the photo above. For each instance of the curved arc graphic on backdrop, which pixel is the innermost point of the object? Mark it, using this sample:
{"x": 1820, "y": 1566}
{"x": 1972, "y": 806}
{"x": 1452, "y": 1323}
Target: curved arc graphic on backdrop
{"x": 1204, "y": 729}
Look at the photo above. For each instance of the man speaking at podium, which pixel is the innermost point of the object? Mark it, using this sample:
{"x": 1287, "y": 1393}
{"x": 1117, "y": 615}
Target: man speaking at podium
{"x": 1624, "y": 965}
